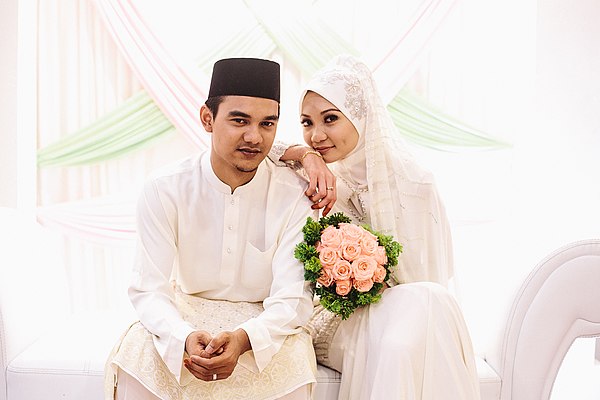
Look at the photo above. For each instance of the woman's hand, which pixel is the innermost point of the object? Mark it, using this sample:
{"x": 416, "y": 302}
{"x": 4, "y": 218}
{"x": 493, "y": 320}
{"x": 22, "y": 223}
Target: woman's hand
{"x": 322, "y": 190}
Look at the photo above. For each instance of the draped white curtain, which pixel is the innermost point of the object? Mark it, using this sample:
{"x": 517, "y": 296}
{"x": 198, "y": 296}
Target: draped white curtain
{"x": 525, "y": 71}
{"x": 81, "y": 76}
{"x": 94, "y": 55}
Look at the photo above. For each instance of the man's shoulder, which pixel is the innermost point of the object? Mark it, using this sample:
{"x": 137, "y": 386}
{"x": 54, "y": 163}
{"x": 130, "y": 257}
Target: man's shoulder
{"x": 175, "y": 170}
{"x": 286, "y": 177}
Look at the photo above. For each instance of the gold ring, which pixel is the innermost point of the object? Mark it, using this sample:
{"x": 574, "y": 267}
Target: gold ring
{"x": 214, "y": 377}
{"x": 329, "y": 187}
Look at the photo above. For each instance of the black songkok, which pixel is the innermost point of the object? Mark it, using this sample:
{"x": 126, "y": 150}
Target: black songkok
{"x": 245, "y": 77}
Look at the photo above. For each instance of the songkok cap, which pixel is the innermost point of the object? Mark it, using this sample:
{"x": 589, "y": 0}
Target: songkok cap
{"x": 245, "y": 77}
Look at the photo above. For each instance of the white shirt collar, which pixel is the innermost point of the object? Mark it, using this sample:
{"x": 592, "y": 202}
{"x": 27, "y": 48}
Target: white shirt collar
{"x": 221, "y": 186}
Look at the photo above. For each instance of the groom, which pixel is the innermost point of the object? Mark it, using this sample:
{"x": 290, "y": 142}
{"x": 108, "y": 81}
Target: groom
{"x": 219, "y": 295}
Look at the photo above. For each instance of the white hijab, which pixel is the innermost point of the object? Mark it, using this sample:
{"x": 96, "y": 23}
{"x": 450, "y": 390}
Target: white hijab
{"x": 402, "y": 196}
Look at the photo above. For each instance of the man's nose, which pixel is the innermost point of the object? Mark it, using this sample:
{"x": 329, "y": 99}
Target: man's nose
{"x": 252, "y": 135}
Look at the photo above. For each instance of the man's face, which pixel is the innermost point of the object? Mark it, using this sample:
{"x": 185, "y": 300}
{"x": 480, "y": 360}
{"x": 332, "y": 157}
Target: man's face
{"x": 242, "y": 134}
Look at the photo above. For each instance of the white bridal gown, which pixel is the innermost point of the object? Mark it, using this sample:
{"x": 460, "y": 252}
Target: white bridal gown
{"x": 411, "y": 345}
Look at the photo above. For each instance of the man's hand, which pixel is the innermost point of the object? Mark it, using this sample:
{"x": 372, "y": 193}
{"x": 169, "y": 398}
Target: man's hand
{"x": 196, "y": 342}
{"x": 219, "y": 357}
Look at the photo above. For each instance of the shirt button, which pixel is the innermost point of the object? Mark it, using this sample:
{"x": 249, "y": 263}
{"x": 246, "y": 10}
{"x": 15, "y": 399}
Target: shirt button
{"x": 232, "y": 201}
{"x": 230, "y": 227}
{"x": 228, "y": 250}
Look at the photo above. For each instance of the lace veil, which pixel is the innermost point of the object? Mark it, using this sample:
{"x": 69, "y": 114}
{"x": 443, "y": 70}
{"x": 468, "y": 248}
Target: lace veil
{"x": 403, "y": 199}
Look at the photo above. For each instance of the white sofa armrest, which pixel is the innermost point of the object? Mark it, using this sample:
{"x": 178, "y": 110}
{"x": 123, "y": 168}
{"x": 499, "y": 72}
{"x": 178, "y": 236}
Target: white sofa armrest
{"x": 33, "y": 291}
{"x": 556, "y": 304}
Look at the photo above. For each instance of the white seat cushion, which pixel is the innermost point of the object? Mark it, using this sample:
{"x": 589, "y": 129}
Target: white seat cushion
{"x": 489, "y": 381}
{"x": 67, "y": 362}
{"x": 329, "y": 382}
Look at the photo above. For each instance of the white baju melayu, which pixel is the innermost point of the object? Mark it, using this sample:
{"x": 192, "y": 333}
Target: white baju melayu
{"x": 215, "y": 260}
{"x": 413, "y": 344}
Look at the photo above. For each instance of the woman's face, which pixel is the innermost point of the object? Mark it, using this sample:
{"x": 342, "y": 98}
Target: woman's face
{"x": 326, "y": 128}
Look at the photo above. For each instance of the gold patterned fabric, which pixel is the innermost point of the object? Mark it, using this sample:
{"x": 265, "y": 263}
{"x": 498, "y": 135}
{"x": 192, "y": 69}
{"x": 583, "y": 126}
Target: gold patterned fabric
{"x": 293, "y": 366}
{"x": 322, "y": 326}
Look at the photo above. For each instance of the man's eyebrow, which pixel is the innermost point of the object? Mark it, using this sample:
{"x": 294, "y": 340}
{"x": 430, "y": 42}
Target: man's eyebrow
{"x": 236, "y": 113}
{"x": 240, "y": 114}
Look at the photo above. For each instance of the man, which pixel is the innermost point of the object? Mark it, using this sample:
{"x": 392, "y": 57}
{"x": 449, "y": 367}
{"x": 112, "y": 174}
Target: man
{"x": 219, "y": 294}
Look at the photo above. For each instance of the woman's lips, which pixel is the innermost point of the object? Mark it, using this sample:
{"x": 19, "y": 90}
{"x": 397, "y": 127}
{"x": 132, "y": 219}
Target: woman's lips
{"x": 324, "y": 150}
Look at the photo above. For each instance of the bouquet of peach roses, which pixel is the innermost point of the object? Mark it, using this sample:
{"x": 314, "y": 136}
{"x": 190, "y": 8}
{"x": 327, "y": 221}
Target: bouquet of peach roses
{"x": 348, "y": 263}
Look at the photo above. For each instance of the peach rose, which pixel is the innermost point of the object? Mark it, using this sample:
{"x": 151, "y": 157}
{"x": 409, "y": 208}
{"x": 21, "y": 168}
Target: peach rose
{"x": 328, "y": 256}
{"x": 342, "y": 270}
{"x": 350, "y": 250}
{"x": 331, "y": 237}
{"x": 368, "y": 235}
{"x": 351, "y": 231}
{"x": 381, "y": 256}
{"x": 368, "y": 244}
{"x": 379, "y": 275}
{"x": 363, "y": 268}
{"x": 363, "y": 285}
{"x": 325, "y": 279}
{"x": 343, "y": 287}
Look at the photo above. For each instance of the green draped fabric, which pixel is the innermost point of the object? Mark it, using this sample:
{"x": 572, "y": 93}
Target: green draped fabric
{"x": 251, "y": 41}
{"x": 309, "y": 44}
{"x": 134, "y": 124}
{"x": 420, "y": 123}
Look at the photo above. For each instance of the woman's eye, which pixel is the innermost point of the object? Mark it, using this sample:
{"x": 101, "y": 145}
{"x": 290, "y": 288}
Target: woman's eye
{"x": 331, "y": 118}
{"x": 305, "y": 122}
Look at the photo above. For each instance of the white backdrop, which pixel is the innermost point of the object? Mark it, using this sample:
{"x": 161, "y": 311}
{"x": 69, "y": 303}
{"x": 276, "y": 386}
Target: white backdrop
{"x": 525, "y": 71}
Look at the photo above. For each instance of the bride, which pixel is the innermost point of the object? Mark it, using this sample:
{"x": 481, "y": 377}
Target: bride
{"x": 413, "y": 344}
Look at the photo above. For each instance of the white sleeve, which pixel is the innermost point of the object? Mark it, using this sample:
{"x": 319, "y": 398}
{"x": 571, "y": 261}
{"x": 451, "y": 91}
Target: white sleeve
{"x": 151, "y": 292}
{"x": 289, "y": 305}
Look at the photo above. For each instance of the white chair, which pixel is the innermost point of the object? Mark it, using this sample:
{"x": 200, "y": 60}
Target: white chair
{"x": 558, "y": 303}
{"x": 47, "y": 353}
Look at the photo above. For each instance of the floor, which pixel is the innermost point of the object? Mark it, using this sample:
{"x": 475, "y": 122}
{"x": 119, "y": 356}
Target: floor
{"x": 579, "y": 375}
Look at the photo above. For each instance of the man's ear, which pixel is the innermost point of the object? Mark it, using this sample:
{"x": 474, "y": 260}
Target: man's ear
{"x": 206, "y": 118}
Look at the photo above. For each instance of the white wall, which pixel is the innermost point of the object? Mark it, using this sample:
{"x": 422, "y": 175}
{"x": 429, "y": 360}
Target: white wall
{"x": 527, "y": 71}
{"x": 8, "y": 103}
{"x": 18, "y": 116}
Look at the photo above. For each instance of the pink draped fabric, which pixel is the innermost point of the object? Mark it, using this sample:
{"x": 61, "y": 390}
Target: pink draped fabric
{"x": 397, "y": 66}
{"x": 178, "y": 96}
{"x": 105, "y": 221}
{"x": 175, "y": 93}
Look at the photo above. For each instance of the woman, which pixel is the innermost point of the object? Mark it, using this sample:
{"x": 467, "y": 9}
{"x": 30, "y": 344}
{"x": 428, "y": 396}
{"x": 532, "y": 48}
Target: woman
{"x": 413, "y": 343}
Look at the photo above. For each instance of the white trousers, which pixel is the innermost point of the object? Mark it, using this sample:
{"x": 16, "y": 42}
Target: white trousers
{"x": 129, "y": 388}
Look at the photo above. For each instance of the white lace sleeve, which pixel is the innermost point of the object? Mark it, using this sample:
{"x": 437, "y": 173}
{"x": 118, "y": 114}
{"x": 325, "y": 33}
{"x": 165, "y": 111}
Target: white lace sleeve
{"x": 277, "y": 151}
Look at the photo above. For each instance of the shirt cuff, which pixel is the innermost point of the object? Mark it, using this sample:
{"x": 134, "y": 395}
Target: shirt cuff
{"x": 172, "y": 349}
{"x": 263, "y": 346}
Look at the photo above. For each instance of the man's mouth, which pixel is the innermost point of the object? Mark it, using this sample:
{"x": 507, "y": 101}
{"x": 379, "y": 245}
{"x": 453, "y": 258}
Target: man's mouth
{"x": 249, "y": 151}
